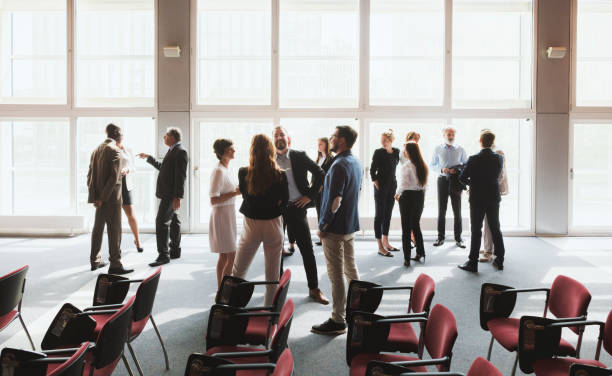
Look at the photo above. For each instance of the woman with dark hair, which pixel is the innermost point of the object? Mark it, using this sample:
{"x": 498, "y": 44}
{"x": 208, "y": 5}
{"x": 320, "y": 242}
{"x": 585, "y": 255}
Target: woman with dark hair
{"x": 325, "y": 158}
{"x": 222, "y": 224}
{"x": 411, "y": 197}
{"x": 265, "y": 192}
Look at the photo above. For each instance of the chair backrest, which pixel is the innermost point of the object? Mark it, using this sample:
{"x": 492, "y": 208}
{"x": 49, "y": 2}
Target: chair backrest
{"x": 568, "y": 298}
{"x": 107, "y": 291}
{"x": 224, "y": 328}
{"x": 284, "y": 364}
{"x": 206, "y": 365}
{"x": 280, "y": 295}
{"x": 113, "y": 336}
{"x": 578, "y": 369}
{"x": 537, "y": 340}
{"x": 145, "y": 296}
{"x": 482, "y": 367}
{"x": 440, "y": 334}
{"x": 494, "y": 304}
{"x": 280, "y": 337}
{"x": 234, "y": 291}
{"x": 361, "y": 296}
{"x": 422, "y": 294}
{"x": 365, "y": 334}
{"x": 73, "y": 366}
{"x": 11, "y": 289}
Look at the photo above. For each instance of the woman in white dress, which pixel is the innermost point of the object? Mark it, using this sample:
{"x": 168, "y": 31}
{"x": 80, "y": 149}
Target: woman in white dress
{"x": 127, "y": 180}
{"x": 222, "y": 224}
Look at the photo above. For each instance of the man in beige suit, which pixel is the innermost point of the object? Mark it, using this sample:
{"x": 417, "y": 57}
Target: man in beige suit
{"x": 104, "y": 183}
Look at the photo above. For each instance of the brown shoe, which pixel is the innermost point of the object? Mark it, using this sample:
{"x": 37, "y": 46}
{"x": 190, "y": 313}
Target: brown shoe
{"x": 486, "y": 257}
{"x": 317, "y": 296}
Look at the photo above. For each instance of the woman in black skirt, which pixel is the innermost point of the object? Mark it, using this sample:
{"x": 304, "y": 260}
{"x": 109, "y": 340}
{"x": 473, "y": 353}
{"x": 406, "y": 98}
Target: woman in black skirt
{"x": 127, "y": 185}
{"x": 325, "y": 159}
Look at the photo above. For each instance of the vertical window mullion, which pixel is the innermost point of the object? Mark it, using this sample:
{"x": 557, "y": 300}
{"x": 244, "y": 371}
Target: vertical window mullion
{"x": 70, "y": 55}
{"x": 364, "y": 54}
{"x": 448, "y": 55}
{"x": 275, "y": 45}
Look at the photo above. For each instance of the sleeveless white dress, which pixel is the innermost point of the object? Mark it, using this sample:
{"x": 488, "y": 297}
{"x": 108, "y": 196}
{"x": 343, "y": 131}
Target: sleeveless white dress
{"x": 222, "y": 224}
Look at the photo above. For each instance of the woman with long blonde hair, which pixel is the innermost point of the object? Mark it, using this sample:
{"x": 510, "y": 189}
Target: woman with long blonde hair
{"x": 264, "y": 192}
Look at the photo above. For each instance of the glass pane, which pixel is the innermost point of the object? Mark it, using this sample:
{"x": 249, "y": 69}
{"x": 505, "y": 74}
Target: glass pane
{"x": 234, "y": 44}
{"x": 407, "y": 53}
{"x": 594, "y": 54}
{"x": 139, "y": 135}
{"x": 240, "y": 132}
{"x": 319, "y": 53}
{"x": 33, "y": 52}
{"x": 35, "y": 168}
{"x": 115, "y": 53}
{"x": 592, "y": 182}
{"x": 492, "y": 54}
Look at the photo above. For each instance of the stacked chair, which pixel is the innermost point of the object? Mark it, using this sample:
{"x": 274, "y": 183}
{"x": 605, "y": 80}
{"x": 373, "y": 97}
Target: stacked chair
{"x": 12, "y": 287}
{"x": 205, "y": 365}
{"x": 480, "y": 367}
{"x": 567, "y": 299}
{"x": 539, "y": 342}
{"x": 15, "y": 362}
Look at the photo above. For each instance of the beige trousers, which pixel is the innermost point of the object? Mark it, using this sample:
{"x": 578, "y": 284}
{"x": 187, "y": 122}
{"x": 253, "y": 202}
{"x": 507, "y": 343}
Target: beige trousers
{"x": 257, "y": 231}
{"x": 108, "y": 214}
{"x": 340, "y": 257}
{"x": 487, "y": 238}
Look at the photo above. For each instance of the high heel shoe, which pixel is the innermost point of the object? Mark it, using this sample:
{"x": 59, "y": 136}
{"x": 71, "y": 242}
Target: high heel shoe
{"x": 388, "y": 254}
{"x": 418, "y": 257}
{"x": 139, "y": 249}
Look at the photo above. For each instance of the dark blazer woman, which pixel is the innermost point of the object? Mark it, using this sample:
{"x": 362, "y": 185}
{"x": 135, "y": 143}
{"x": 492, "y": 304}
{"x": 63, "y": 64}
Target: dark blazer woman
{"x": 382, "y": 171}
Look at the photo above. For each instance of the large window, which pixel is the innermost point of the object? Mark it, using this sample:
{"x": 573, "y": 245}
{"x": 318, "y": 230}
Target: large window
{"x": 594, "y": 53}
{"x": 139, "y": 136}
{"x": 115, "y": 53}
{"x": 407, "y": 52}
{"x": 33, "y": 52}
{"x": 492, "y": 53}
{"x": 35, "y": 167}
{"x": 319, "y": 53}
{"x": 234, "y": 58}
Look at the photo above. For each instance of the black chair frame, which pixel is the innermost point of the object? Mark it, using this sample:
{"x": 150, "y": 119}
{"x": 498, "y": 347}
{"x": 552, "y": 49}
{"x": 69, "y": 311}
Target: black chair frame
{"x": 12, "y": 288}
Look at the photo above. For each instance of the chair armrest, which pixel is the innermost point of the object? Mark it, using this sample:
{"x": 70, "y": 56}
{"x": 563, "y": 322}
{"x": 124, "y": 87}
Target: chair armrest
{"x": 426, "y": 362}
{"x": 103, "y": 312}
{"x": 61, "y": 351}
{"x": 575, "y": 322}
{"x": 256, "y": 283}
{"x": 49, "y": 360}
{"x": 102, "y": 307}
{"x": 242, "y": 354}
{"x": 246, "y": 366}
{"x": 408, "y": 315}
{"x": 536, "y": 289}
{"x": 407, "y": 319}
{"x": 256, "y": 314}
{"x": 128, "y": 281}
{"x": 263, "y": 308}
{"x": 389, "y": 288}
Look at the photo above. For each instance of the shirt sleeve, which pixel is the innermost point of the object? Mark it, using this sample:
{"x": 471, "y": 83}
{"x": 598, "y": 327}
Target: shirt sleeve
{"x": 435, "y": 162}
{"x": 336, "y": 190}
{"x": 216, "y": 182}
{"x": 463, "y": 159}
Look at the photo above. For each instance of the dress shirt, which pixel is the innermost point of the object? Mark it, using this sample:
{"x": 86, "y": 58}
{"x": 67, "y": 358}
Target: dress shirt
{"x": 174, "y": 145}
{"x": 447, "y": 156}
{"x": 408, "y": 180}
{"x": 284, "y": 162}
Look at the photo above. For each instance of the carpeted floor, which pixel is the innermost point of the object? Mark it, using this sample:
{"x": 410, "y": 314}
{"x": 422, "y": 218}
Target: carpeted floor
{"x": 59, "y": 272}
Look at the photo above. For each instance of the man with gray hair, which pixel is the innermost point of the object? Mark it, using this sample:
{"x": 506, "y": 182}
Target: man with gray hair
{"x": 170, "y": 190}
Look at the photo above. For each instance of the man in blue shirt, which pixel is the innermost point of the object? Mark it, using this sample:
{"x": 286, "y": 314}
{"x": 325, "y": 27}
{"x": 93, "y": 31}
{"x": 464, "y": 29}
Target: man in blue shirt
{"x": 338, "y": 224}
{"x": 446, "y": 159}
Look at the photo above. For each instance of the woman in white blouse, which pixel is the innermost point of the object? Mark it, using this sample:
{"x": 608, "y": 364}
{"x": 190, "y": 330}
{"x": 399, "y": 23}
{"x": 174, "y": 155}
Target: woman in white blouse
{"x": 411, "y": 197}
{"x": 127, "y": 185}
{"x": 222, "y": 224}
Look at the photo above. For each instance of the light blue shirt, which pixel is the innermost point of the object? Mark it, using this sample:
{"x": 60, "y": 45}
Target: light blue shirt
{"x": 447, "y": 156}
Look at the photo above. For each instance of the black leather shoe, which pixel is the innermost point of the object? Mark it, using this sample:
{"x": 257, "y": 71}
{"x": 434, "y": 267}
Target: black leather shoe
{"x": 438, "y": 242}
{"x": 329, "y": 327}
{"x": 119, "y": 270}
{"x": 407, "y": 263}
{"x": 160, "y": 261}
{"x": 498, "y": 265}
{"x": 319, "y": 243}
{"x": 99, "y": 265}
{"x": 175, "y": 253}
{"x": 469, "y": 266}
{"x": 418, "y": 257}
{"x": 460, "y": 244}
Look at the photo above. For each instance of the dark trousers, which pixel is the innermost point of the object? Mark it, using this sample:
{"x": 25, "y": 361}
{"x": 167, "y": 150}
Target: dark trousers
{"x": 411, "y": 208}
{"x": 167, "y": 224}
{"x": 384, "y": 200}
{"x": 108, "y": 214}
{"x": 297, "y": 225}
{"x": 455, "y": 197}
{"x": 478, "y": 211}
{"x": 290, "y": 236}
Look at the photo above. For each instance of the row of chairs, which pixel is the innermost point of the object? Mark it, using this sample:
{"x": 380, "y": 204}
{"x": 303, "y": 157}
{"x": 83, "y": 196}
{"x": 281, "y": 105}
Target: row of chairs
{"x": 89, "y": 342}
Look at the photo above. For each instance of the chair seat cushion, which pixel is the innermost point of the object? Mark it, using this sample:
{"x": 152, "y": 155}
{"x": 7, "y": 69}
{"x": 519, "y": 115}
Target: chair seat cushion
{"x": 241, "y": 360}
{"x": 506, "y": 332}
{"x": 137, "y": 326}
{"x": 257, "y": 328}
{"x": 359, "y": 364}
{"x": 7, "y": 319}
{"x": 104, "y": 371}
{"x": 560, "y": 366}
{"x": 402, "y": 338}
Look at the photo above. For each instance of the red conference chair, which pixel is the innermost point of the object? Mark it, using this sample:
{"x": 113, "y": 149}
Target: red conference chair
{"x": 566, "y": 298}
{"x": 111, "y": 290}
{"x": 539, "y": 340}
{"x": 480, "y": 367}
{"x": 237, "y": 292}
{"x": 12, "y": 287}
{"x": 17, "y": 362}
{"x": 584, "y": 370}
{"x": 205, "y": 365}
{"x": 367, "y": 333}
{"x": 72, "y": 326}
{"x": 223, "y": 327}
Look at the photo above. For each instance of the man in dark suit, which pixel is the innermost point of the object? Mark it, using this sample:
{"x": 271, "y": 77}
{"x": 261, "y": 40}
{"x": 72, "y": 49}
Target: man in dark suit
{"x": 170, "y": 190}
{"x": 481, "y": 174}
{"x": 302, "y": 194}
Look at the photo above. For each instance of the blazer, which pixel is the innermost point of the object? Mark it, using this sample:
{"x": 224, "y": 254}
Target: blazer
{"x": 481, "y": 173}
{"x": 301, "y": 164}
{"x": 327, "y": 163}
{"x": 266, "y": 206}
{"x": 104, "y": 175}
{"x": 380, "y": 170}
{"x": 172, "y": 173}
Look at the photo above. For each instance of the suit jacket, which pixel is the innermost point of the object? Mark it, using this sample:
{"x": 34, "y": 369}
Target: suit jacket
{"x": 172, "y": 173}
{"x": 481, "y": 173}
{"x": 301, "y": 164}
{"x": 104, "y": 175}
{"x": 329, "y": 159}
{"x": 381, "y": 170}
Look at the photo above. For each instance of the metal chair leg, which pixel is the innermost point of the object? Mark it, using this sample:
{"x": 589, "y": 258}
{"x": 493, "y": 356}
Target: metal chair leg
{"x": 127, "y": 365}
{"x": 161, "y": 341}
{"x": 129, "y": 346}
{"x": 490, "y": 348}
{"x": 515, "y": 363}
{"x": 26, "y": 331}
